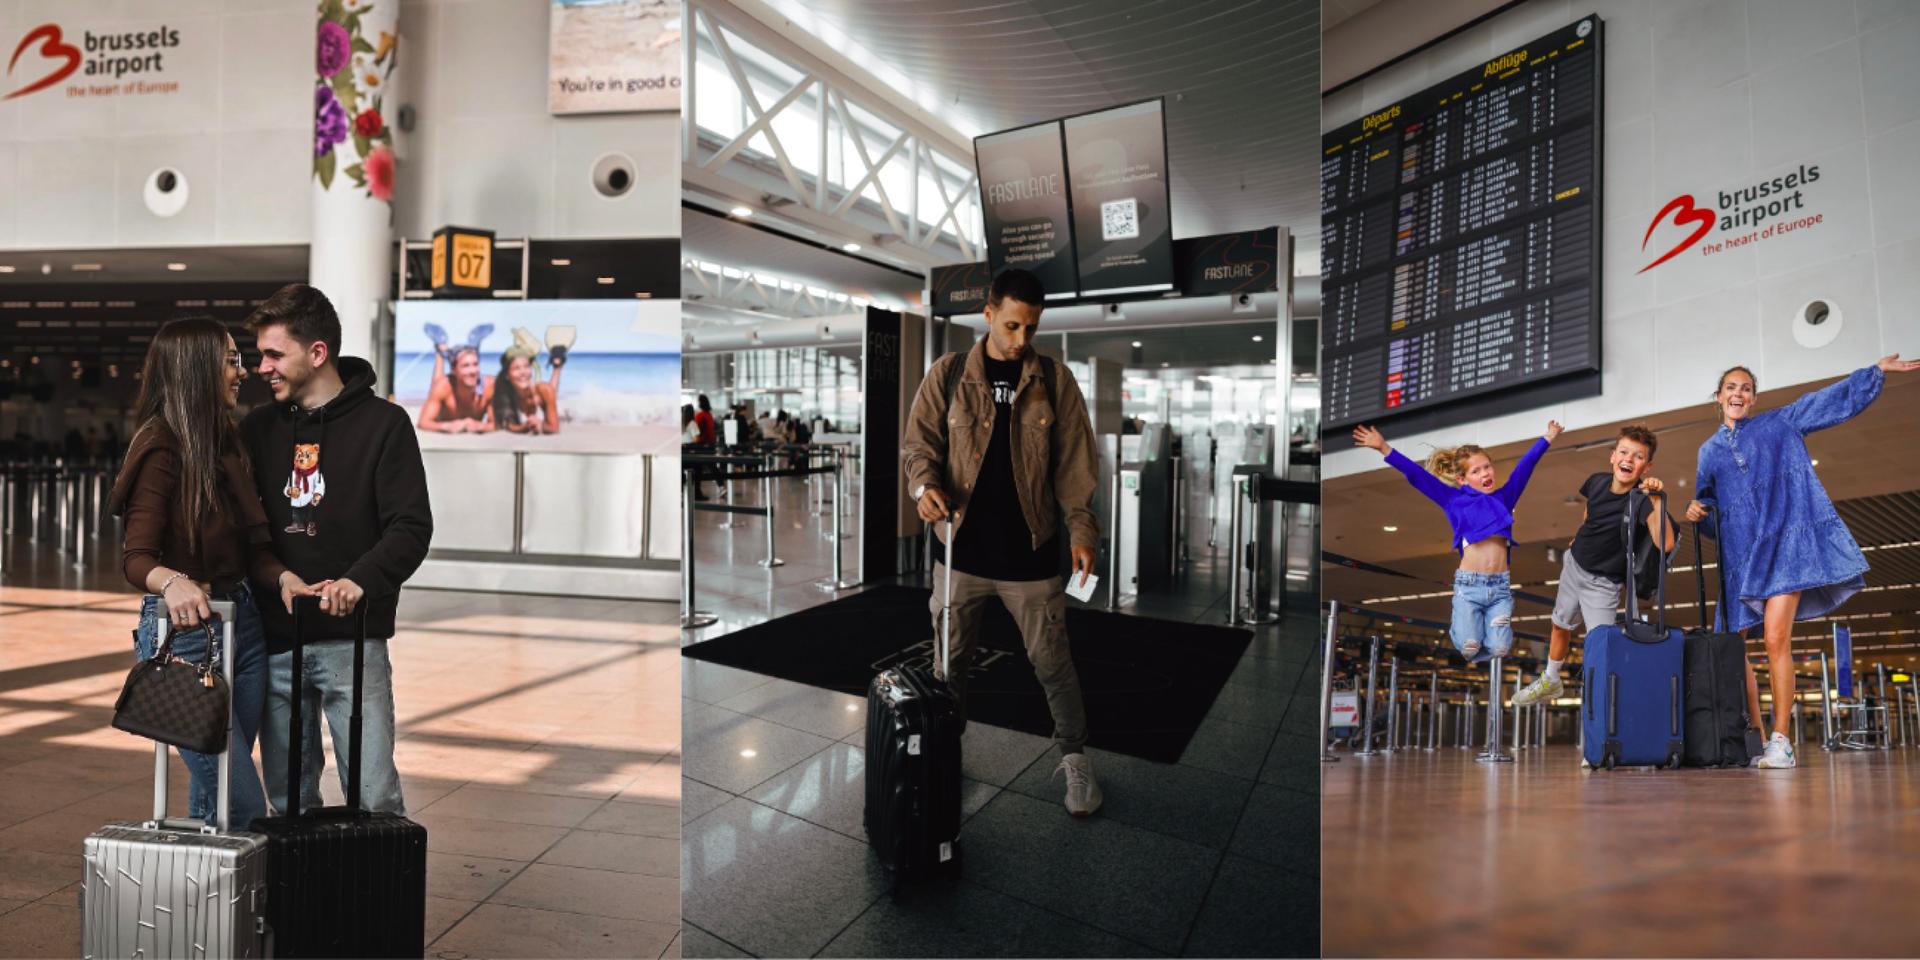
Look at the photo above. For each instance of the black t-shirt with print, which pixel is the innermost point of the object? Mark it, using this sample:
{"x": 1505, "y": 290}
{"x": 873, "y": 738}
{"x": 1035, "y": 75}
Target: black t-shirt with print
{"x": 1598, "y": 547}
{"x": 994, "y": 541}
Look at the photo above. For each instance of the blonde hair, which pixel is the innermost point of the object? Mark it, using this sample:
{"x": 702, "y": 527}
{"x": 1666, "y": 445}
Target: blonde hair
{"x": 1450, "y": 463}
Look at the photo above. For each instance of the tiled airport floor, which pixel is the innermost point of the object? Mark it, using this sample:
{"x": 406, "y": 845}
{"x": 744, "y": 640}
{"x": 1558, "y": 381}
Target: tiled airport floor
{"x": 1214, "y": 856}
{"x": 538, "y": 744}
{"x": 1431, "y": 854}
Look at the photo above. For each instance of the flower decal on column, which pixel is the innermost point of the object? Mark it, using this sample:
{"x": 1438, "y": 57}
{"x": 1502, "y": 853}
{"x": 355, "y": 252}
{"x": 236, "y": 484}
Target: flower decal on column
{"x": 348, "y": 100}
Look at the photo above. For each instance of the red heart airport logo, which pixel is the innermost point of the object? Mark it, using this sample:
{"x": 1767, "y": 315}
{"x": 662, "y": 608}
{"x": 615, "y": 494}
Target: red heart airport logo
{"x": 51, "y": 48}
{"x": 1684, "y": 212}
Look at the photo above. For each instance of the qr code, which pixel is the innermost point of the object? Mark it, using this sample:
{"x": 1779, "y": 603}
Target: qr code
{"x": 1119, "y": 219}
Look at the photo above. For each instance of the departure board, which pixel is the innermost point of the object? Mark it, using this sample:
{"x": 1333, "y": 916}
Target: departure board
{"x": 1460, "y": 235}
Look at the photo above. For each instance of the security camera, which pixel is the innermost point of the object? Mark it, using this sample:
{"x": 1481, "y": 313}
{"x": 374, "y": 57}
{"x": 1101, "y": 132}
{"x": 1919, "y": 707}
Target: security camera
{"x": 165, "y": 192}
{"x": 613, "y": 175}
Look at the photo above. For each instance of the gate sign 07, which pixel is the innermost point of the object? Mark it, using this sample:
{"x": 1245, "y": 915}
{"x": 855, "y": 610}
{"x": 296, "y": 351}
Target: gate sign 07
{"x": 462, "y": 262}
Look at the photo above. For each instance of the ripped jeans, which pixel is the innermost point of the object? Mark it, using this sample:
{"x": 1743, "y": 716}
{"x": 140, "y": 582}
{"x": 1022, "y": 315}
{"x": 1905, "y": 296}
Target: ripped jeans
{"x": 1482, "y": 613}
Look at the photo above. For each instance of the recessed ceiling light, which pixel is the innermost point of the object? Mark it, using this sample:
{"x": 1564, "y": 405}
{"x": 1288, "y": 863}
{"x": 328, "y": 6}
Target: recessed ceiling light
{"x": 1257, "y": 338}
{"x": 749, "y": 754}
{"x": 1136, "y": 344}
{"x": 176, "y": 267}
{"x": 4, "y": 268}
{"x": 740, "y": 212}
{"x": 1391, "y": 529}
{"x": 87, "y": 267}
{"x": 605, "y": 281}
{"x": 1164, "y": 363}
{"x": 1816, "y": 463}
{"x": 850, "y": 247}
{"x": 561, "y": 262}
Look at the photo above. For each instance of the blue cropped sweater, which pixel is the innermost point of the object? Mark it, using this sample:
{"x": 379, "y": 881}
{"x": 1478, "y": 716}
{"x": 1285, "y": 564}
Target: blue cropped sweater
{"x": 1778, "y": 532}
{"x": 1475, "y": 516}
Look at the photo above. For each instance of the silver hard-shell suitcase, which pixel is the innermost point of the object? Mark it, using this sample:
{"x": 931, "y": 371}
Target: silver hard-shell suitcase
{"x": 176, "y": 888}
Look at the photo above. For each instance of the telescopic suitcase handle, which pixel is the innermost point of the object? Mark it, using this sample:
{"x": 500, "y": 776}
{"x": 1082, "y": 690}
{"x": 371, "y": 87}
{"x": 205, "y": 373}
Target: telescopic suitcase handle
{"x": 223, "y": 613}
{"x": 295, "y": 756}
{"x": 946, "y": 608}
{"x": 1660, "y": 583}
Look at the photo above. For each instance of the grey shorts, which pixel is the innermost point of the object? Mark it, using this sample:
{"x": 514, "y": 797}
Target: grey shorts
{"x": 1585, "y": 600}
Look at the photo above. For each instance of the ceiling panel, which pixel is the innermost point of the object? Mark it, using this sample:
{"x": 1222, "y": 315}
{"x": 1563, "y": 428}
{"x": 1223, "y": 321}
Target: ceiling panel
{"x": 1241, "y": 78}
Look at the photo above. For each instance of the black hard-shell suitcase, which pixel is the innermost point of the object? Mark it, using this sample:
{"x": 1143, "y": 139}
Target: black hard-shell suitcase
{"x": 913, "y": 761}
{"x": 342, "y": 881}
{"x": 1717, "y": 732}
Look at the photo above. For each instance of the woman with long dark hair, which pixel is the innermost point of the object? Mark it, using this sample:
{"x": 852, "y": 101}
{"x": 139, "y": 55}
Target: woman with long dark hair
{"x": 196, "y": 533}
{"x": 521, "y": 401}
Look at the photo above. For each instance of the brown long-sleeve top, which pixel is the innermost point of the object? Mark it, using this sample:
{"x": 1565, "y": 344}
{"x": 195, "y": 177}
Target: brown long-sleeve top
{"x": 234, "y": 542}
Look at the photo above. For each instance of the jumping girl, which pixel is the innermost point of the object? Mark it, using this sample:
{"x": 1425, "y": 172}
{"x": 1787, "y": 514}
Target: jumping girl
{"x": 1461, "y": 480}
{"x": 1787, "y": 554}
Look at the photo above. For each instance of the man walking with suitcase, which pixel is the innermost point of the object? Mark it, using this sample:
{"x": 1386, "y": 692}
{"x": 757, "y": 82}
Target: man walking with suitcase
{"x": 999, "y": 439}
{"x": 339, "y": 472}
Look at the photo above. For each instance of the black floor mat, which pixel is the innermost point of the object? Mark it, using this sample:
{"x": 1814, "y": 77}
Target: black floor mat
{"x": 1148, "y": 683}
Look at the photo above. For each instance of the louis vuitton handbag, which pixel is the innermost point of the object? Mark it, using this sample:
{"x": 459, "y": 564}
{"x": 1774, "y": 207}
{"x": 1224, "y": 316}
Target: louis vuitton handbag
{"x": 168, "y": 699}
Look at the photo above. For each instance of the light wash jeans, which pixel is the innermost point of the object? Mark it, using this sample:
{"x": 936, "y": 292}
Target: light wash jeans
{"x": 1483, "y": 611}
{"x": 249, "y": 689}
{"x": 329, "y": 681}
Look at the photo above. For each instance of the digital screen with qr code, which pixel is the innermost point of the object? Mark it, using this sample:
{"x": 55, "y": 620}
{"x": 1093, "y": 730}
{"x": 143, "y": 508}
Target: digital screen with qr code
{"x": 1122, "y": 217}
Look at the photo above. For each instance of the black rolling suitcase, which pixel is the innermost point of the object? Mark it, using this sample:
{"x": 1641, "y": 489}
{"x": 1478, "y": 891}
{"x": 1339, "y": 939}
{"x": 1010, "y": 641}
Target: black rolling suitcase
{"x": 913, "y": 762}
{"x": 1717, "y": 732}
{"x": 342, "y": 881}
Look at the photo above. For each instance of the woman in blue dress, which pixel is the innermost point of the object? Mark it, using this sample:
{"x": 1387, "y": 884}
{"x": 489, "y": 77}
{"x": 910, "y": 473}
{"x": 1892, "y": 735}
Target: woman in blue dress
{"x": 1785, "y": 551}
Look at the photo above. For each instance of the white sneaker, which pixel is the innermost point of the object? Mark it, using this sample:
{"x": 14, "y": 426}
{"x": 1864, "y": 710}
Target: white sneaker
{"x": 1083, "y": 794}
{"x": 1544, "y": 688}
{"x": 1779, "y": 755}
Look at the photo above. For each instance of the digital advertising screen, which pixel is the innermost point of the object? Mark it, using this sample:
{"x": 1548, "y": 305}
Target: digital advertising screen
{"x": 1460, "y": 235}
{"x": 554, "y": 375}
{"x": 1023, "y": 201}
{"x": 1122, "y": 216}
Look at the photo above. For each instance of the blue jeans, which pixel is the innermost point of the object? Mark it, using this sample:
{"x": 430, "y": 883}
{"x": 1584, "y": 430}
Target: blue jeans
{"x": 1483, "y": 612}
{"x": 328, "y": 678}
{"x": 249, "y": 692}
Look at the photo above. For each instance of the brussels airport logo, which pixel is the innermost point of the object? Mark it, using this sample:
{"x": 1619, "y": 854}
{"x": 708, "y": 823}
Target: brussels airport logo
{"x": 44, "y": 57}
{"x": 1762, "y": 210}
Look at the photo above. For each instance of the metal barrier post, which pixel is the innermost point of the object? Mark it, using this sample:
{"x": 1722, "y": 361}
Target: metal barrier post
{"x": 1496, "y": 747}
{"x": 1826, "y": 706}
{"x": 1798, "y": 737}
{"x": 62, "y": 488}
{"x": 79, "y": 524}
{"x": 1463, "y": 737}
{"x": 726, "y": 493}
{"x": 1913, "y": 684}
{"x": 1113, "y": 535}
{"x": 1326, "y": 680}
{"x": 766, "y": 494}
{"x": 1540, "y": 731}
{"x": 34, "y": 502}
{"x": 1366, "y": 722}
{"x": 1433, "y": 711}
{"x": 1518, "y": 675}
{"x": 1393, "y": 704}
{"x": 838, "y": 581}
{"x": 1179, "y": 516}
{"x": 1886, "y": 716}
{"x": 99, "y": 513}
{"x": 690, "y": 618}
{"x": 1233, "y": 556}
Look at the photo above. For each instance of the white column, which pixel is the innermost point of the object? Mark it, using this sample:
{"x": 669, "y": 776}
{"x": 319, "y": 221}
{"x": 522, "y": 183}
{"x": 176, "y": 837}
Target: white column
{"x": 351, "y": 258}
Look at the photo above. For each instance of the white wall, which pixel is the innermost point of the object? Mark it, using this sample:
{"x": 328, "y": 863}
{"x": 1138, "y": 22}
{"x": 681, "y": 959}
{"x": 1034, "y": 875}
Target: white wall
{"x": 1704, "y": 96}
{"x": 72, "y": 170}
{"x": 485, "y": 152}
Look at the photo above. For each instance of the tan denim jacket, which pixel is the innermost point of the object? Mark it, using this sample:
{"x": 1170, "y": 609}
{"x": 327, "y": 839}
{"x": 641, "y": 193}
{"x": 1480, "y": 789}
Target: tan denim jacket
{"x": 1054, "y": 462}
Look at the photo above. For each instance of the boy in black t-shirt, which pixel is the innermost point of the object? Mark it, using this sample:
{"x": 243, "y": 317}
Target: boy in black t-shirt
{"x": 1595, "y": 565}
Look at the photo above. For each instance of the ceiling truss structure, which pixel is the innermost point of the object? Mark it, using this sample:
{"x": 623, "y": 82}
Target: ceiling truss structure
{"x": 864, "y": 211}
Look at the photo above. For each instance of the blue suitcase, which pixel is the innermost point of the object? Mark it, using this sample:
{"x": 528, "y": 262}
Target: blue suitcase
{"x": 1632, "y": 708}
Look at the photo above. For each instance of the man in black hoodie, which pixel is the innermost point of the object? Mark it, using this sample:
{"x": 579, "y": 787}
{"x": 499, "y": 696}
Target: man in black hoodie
{"x": 338, "y": 470}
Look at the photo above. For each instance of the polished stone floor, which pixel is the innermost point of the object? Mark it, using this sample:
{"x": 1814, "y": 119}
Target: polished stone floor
{"x": 1214, "y": 856}
{"x": 1430, "y": 854}
{"x": 538, "y": 744}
